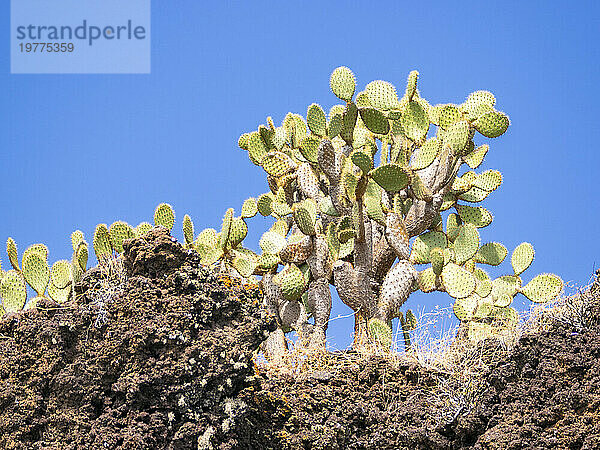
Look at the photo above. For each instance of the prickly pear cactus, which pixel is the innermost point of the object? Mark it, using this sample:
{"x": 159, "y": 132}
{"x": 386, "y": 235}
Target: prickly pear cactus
{"x": 348, "y": 190}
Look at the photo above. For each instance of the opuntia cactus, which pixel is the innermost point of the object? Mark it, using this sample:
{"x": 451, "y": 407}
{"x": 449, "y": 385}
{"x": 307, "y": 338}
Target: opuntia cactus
{"x": 348, "y": 221}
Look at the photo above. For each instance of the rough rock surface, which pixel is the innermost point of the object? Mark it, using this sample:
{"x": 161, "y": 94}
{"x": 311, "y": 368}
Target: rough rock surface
{"x": 163, "y": 359}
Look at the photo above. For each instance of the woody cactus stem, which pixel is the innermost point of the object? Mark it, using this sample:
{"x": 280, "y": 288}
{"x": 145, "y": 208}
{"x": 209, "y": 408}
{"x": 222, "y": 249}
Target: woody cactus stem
{"x": 345, "y": 221}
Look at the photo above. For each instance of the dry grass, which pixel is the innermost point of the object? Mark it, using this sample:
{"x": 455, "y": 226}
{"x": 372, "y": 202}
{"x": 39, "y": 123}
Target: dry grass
{"x": 112, "y": 281}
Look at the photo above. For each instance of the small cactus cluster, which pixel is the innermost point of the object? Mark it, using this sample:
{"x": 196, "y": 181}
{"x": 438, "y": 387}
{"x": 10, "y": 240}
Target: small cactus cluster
{"x": 57, "y": 282}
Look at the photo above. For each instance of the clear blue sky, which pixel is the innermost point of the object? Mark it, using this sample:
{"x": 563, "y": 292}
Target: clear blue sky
{"x": 77, "y": 150}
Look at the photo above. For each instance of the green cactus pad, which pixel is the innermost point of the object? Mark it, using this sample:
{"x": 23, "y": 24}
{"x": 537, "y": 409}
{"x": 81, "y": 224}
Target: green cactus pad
{"x": 474, "y": 195}
{"x": 13, "y": 255}
{"x": 281, "y": 209}
{"x": 291, "y": 280}
{"x": 267, "y": 261}
{"x": 281, "y": 227}
{"x": 475, "y": 158}
{"x": 448, "y": 115}
{"x": 36, "y": 272}
{"x": 489, "y": 180}
{"x": 346, "y": 248}
{"x": 316, "y": 120}
{"x": 272, "y": 242}
{"x": 391, "y": 177}
{"x": 492, "y": 124}
{"x": 238, "y": 231}
{"x": 119, "y": 231}
{"x": 188, "y": 230}
{"x": 309, "y": 148}
{"x": 415, "y": 122}
{"x": 503, "y": 301}
{"x": 382, "y": 95}
{"x": 76, "y": 238}
{"x": 465, "y": 307}
{"x": 82, "y": 254}
{"x": 164, "y": 216}
{"x": 543, "y": 288}
{"x": 484, "y": 284}
{"x": 211, "y": 256}
{"x": 362, "y": 160}
{"x": 492, "y": 253}
{"x": 372, "y": 202}
{"x": 334, "y": 127}
{"x": 39, "y": 249}
{"x": 477, "y": 215}
{"x": 452, "y": 223}
{"x": 411, "y": 85}
{"x": 457, "y": 136}
{"x": 57, "y": 294}
{"x": 207, "y": 237}
{"x": 477, "y": 103}
{"x": 101, "y": 242}
{"x": 506, "y": 284}
{"x": 305, "y": 216}
{"x": 419, "y": 189}
{"x": 244, "y": 265}
{"x": 277, "y": 163}
{"x": 243, "y": 141}
{"x": 142, "y": 229}
{"x": 423, "y": 245}
{"x": 458, "y": 282}
{"x": 362, "y": 100}
{"x": 375, "y": 120}
{"x": 342, "y": 83}
{"x": 224, "y": 235}
{"x": 13, "y": 291}
{"x": 265, "y": 204}
{"x": 522, "y": 257}
{"x": 426, "y": 154}
{"x": 411, "y": 320}
{"x": 381, "y": 332}
{"x": 60, "y": 275}
{"x": 257, "y": 148}
{"x": 466, "y": 243}
{"x": 436, "y": 255}
{"x": 249, "y": 208}
{"x": 332, "y": 240}
{"x": 427, "y": 280}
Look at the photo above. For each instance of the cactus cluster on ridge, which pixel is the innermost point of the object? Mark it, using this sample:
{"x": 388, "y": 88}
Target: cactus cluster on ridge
{"x": 348, "y": 190}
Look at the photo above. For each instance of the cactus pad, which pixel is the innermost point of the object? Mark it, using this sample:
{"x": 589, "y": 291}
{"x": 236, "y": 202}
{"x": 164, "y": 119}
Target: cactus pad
{"x": 415, "y": 122}
{"x": 543, "y": 288}
{"x": 466, "y": 243}
{"x": 36, "y": 272}
{"x": 426, "y": 154}
{"x": 142, "y": 229}
{"x": 382, "y": 95}
{"x": 475, "y": 158}
{"x": 11, "y": 250}
{"x": 101, "y": 242}
{"x": 272, "y": 242}
{"x": 76, "y": 238}
{"x": 391, "y": 177}
{"x": 458, "y": 282}
{"x": 381, "y": 332}
{"x": 164, "y": 216}
{"x": 522, "y": 257}
{"x": 316, "y": 120}
{"x": 342, "y": 83}
{"x": 60, "y": 275}
{"x": 292, "y": 283}
{"x": 492, "y": 253}
{"x": 423, "y": 245}
{"x": 492, "y": 124}
{"x": 489, "y": 180}
{"x": 119, "y": 231}
{"x": 188, "y": 230}
{"x": 477, "y": 215}
{"x": 465, "y": 307}
{"x": 13, "y": 291}
{"x": 277, "y": 163}
{"x": 374, "y": 120}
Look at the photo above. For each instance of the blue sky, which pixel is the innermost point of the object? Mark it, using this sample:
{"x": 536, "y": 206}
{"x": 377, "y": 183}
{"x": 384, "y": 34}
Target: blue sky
{"x": 77, "y": 150}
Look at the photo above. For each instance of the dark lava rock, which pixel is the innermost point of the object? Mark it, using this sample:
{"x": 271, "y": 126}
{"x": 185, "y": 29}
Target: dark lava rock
{"x": 163, "y": 371}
